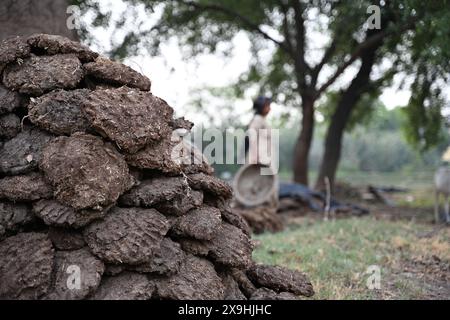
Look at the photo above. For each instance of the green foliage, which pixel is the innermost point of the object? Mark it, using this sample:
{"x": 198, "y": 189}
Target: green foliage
{"x": 423, "y": 113}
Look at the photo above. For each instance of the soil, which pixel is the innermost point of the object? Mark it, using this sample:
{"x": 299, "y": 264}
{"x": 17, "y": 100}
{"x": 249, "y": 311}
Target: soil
{"x": 54, "y": 44}
{"x": 10, "y": 126}
{"x": 59, "y": 112}
{"x": 88, "y": 267}
{"x": 26, "y": 266}
{"x": 167, "y": 260}
{"x": 12, "y": 49}
{"x": 125, "y": 286}
{"x": 9, "y": 100}
{"x": 85, "y": 171}
{"x": 281, "y": 279}
{"x": 66, "y": 239}
{"x": 128, "y": 236}
{"x": 56, "y": 214}
{"x": 22, "y": 153}
{"x": 116, "y": 73}
{"x": 129, "y": 117}
{"x": 25, "y": 188}
{"x": 86, "y": 164}
{"x": 196, "y": 280}
{"x": 202, "y": 223}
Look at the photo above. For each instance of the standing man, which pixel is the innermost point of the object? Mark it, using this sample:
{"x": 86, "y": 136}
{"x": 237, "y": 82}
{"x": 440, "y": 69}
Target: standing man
{"x": 259, "y": 142}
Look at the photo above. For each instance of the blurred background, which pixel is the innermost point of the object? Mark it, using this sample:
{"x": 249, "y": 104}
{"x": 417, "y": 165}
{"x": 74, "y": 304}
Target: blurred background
{"x": 360, "y": 95}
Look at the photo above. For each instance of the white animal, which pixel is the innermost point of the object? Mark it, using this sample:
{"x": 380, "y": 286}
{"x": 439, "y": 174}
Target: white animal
{"x": 442, "y": 186}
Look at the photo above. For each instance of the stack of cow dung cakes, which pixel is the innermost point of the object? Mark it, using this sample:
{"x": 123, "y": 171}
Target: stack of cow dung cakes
{"x": 96, "y": 198}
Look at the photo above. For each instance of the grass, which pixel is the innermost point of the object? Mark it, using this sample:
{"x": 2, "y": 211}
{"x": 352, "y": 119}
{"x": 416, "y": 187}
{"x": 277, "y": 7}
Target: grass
{"x": 415, "y": 180}
{"x": 336, "y": 255}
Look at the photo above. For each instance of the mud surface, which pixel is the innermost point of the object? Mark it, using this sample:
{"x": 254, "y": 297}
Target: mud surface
{"x": 202, "y": 223}
{"x": 22, "y": 153}
{"x": 13, "y": 49}
{"x": 101, "y": 198}
{"x": 116, "y": 73}
{"x": 129, "y": 236}
{"x": 25, "y": 188}
{"x": 85, "y": 171}
{"x": 56, "y": 214}
{"x": 68, "y": 265}
{"x": 281, "y": 279}
{"x": 129, "y": 117}
{"x": 196, "y": 280}
{"x": 53, "y": 44}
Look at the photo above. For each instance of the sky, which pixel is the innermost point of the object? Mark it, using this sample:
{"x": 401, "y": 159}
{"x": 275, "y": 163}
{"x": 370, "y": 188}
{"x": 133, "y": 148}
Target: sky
{"x": 176, "y": 79}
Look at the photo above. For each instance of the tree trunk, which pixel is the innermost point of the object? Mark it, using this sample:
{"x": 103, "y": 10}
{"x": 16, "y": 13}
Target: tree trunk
{"x": 339, "y": 120}
{"x": 25, "y": 17}
{"x": 303, "y": 146}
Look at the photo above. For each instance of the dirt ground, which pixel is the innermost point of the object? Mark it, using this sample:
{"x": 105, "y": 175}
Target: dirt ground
{"x": 411, "y": 251}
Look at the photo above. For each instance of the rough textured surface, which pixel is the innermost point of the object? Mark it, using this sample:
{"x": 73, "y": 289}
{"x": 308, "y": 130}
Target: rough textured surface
{"x": 40, "y": 74}
{"x": 267, "y": 294}
{"x": 9, "y": 126}
{"x": 125, "y": 286}
{"x": 22, "y": 153}
{"x": 229, "y": 216}
{"x": 54, "y": 44}
{"x": 153, "y": 191}
{"x": 9, "y": 100}
{"x": 181, "y": 203}
{"x": 166, "y": 260}
{"x": 231, "y": 247}
{"x": 129, "y": 117}
{"x": 12, "y": 49}
{"x": 102, "y": 171}
{"x": 85, "y": 171}
{"x": 196, "y": 280}
{"x": 172, "y": 155}
{"x": 66, "y": 239}
{"x": 68, "y": 266}
{"x": 116, "y": 73}
{"x": 181, "y": 123}
{"x": 246, "y": 286}
{"x": 232, "y": 291}
{"x": 25, "y": 266}
{"x": 196, "y": 247}
{"x": 56, "y": 214}
{"x": 202, "y": 223}
{"x": 210, "y": 184}
{"x": 281, "y": 279}
{"x": 129, "y": 236}
{"x": 26, "y": 188}
{"x": 157, "y": 155}
{"x": 14, "y": 215}
{"x": 60, "y": 112}
{"x": 113, "y": 269}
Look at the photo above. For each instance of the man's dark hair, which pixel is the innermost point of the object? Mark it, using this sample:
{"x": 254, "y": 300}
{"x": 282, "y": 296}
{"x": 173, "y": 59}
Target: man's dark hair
{"x": 259, "y": 103}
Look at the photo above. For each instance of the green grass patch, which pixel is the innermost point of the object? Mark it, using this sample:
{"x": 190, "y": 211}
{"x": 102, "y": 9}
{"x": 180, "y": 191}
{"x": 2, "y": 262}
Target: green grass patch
{"x": 336, "y": 255}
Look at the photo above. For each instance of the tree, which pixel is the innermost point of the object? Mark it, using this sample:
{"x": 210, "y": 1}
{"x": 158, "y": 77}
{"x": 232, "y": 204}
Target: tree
{"x": 293, "y": 75}
{"x": 413, "y": 55}
{"x": 25, "y": 17}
